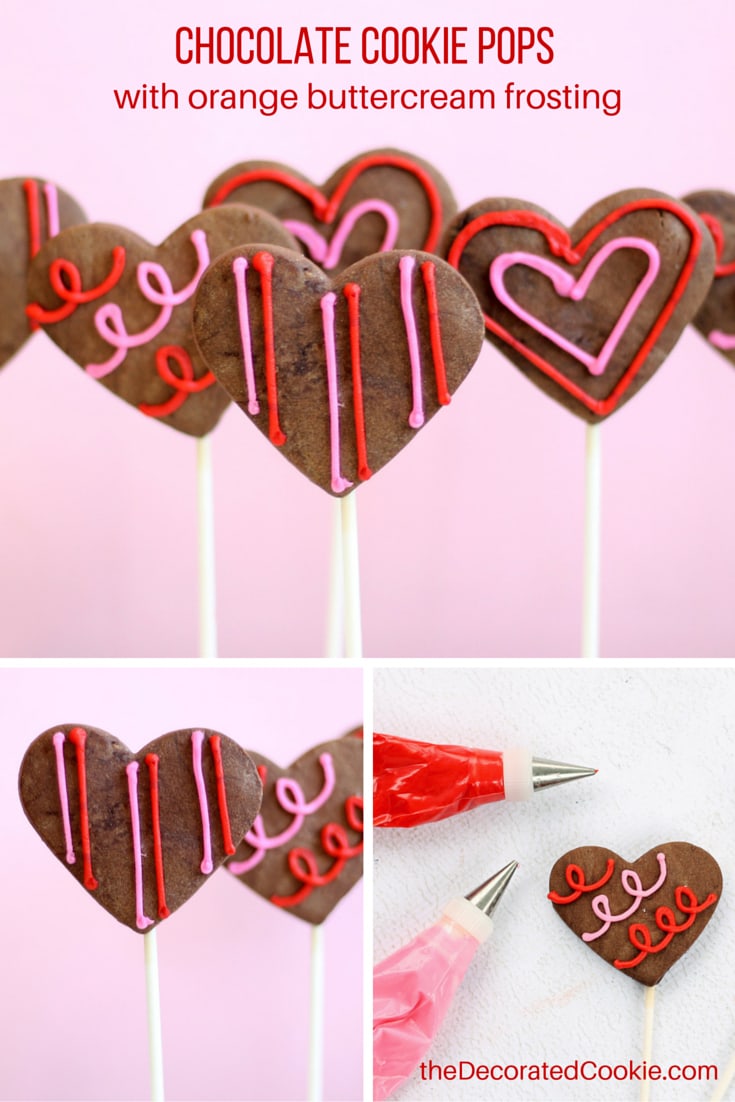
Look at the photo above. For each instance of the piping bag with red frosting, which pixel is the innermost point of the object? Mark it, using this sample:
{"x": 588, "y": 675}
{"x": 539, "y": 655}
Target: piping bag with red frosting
{"x": 421, "y": 782}
{"x": 414, "y": 987}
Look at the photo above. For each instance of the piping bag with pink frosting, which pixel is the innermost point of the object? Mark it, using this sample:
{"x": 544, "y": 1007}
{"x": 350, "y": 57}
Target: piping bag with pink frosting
{"x": 421, "y": 782}
{"x": 414, "y": 987}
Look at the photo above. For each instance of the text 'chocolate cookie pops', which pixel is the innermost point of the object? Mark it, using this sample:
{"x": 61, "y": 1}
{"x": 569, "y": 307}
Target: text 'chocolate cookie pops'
{"x": 122, "y": 308}
{"x": 141, "y": 832}
{"x": 418, "y": 782}
{"x": 31, "y": 212}
{"x": 587, "y": 314}
{"x": 381, "y": 200}
{"x": 303, "y": 853}
{"x": 339, "y": 374}
{"x": 639, "y": 916}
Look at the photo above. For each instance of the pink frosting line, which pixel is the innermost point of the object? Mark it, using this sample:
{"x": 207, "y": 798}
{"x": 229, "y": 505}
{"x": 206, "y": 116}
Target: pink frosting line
{"x": 51, "y": 196}
{"x": 601, "y": 903}
{"x": 406, "y": 266}
{"x": 290, "y": 796}
{"x": 58, "y": 741}
{"x": 567, "y": 286}
{"x": 327, "y": 304}
{"x": 330, "y": 254}
{"x": 141, "y": 919}
{"x": 240, "y": 273}
{"x": 109, "y": 321}
{"x": 724, "y": 341}
{"x": 197, "y": 738}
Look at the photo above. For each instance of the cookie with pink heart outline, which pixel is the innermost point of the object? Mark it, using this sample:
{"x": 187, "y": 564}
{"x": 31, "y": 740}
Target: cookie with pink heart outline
{"x": 140, "y": 832}
{"x": 31, "y": 211}
{"x": 380, "y": 200}
{"x": 122, "y": 308}
{"x": 340, "y": 373}
{"x": 304, "y": 850}
{"x": 639, "y": 916}
{"x": 587, "y": 314}
{"x": 716, "y": 318}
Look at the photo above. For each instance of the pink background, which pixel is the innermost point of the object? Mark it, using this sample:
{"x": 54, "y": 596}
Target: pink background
{"x": 471, "y": 540}
{"x": 234, "y": 970}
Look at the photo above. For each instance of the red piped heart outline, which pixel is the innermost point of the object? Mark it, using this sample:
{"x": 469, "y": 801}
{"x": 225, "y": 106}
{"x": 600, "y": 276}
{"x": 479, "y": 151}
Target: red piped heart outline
{"x": 560, "y": 245}
{"x": 326, "y": 208}
{"x": 714, "y": 226}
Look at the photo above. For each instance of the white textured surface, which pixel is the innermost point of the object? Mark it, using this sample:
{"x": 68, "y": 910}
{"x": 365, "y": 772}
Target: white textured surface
{"x": 663, "y": 742}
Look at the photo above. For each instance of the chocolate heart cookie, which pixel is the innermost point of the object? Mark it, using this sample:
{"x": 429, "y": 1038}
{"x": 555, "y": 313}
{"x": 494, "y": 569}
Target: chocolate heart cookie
{"x": 121, "y": 308}
{"x": 587, "y": 314}
{"x": 339, "y": 373}
{"x": 304, "y": 850}
{"x": 31, "y": 211}
{"x": 141, "y": 832}
{"x": 640, "y": 916}
{"x": 381, "y": 200}
{"x": 716, "y": 318}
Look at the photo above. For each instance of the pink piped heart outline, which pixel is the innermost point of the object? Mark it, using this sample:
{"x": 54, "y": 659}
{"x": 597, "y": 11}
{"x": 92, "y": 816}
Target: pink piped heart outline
{"x": 560, "y": 244}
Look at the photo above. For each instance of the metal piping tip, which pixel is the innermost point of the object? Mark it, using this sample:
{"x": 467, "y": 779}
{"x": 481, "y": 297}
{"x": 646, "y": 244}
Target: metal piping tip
{"x": 545, "y": 773}
{"x": 488, "y": 895}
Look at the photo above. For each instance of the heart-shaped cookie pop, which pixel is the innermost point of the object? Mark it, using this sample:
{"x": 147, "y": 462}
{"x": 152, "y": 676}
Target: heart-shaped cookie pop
{"x": 716, "y": 318}
{"x": 304, "y": 850}
{"x": 381, "y": 200}
{"x": 640, "y": 916}
{"x": 141, "y": 832}
{"x": 339, "y": 373}
{"x": 31, "y": 210}
{"x": 121, "y": 308}
{"x": 587, "y": 314}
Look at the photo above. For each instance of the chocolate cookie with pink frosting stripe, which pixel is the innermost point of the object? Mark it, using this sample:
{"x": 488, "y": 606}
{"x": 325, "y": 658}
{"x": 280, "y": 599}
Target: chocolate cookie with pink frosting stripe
{"x": 140, "y": 832}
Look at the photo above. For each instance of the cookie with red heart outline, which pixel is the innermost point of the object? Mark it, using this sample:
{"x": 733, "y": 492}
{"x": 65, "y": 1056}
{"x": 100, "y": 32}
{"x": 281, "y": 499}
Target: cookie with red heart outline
{"x": 716, "y": 318}
{"x": 639, "y": 916}
{"x": 31, "y": 211}
{"x": 141, "y": 832}
{"x": 590, "y": 313}
{"x": 340, "y": 373}
{"x": 121, "y": 308}
{"x": 304, "y": 850}
{"x": 380, "y": 200}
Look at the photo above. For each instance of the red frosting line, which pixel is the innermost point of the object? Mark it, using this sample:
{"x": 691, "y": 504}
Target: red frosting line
{"x": 714, "y": 226}
{"x": 560, "y": 245}
{"x": 326, "y": 209}
{"x": 219, "y": 772}
{"x": 575, "y": 878}
{"x": 151, "y": 761}
{"x": 302, "y": 863}
{"x": 183, "y": 385}
{"x": 72, "y": 294}
{"x": 263, "y": 263}
{"x": 352, "y": 294}
{"x": 640, "y": 936}
{"x": 78, "y": 736}
{"x": 428, "y": 272}
{"x": 30, "y": 187}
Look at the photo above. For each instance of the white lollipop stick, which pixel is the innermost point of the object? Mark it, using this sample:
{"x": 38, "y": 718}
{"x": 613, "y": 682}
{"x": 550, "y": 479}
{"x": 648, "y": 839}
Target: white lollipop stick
{"x": 592, "y": 540}
{"x": 726, "y": 1079}
{"x": 335, "y": 610}
{"x": 351, "y": 573}
{"x": 648, "y": 1008}
{"x": 316, "y": 1016}
{"x": 153, "y": 998}
{"x": 207, "y": 586}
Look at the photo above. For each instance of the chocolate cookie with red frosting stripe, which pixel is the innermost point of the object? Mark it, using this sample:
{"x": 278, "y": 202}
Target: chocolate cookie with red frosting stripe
{"x": 380, "y": 200}
{"x": 640, "y": 916}
{"x": 716, "y": 318}
{"x": 31, "y": 211}
{"x": 340, "y": 373}
{"x": 304, "y": 850}
{"x": 140, "y": 832}
{"x": 588, "y": 314}
{"x": 121, "y": 308}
